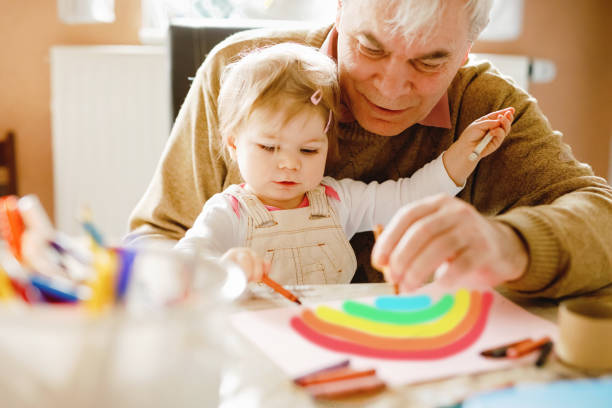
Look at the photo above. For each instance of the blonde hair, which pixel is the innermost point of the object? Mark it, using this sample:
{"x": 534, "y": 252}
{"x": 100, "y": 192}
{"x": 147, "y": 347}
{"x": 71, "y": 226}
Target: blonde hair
{"x": 282, "y": 76}
{"x": 411, "y": 16}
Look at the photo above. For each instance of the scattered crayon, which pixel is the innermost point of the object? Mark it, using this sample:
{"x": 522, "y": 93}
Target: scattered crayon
{"x": 340, "y": 381}
{"x": 544, "y": 353}
{"x": 500, "y": 351}
{"x": 524, "y": 348}
{"x": 336, "y": 375}
{"x": 333, "y": 367}
{"x": 346, "y": 388}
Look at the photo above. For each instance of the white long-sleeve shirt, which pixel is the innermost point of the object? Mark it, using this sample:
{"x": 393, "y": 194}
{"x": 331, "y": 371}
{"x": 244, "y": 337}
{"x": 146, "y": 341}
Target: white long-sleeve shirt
{"x": 359, "y": 206}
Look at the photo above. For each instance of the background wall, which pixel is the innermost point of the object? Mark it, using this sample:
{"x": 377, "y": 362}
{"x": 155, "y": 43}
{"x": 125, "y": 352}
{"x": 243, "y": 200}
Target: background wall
{"x": 575, "y": 35}
{"x": 27, "y": 30}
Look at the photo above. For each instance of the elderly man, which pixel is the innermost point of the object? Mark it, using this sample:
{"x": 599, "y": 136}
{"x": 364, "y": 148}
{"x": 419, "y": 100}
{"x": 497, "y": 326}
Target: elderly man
{"x": 530, "y": 217}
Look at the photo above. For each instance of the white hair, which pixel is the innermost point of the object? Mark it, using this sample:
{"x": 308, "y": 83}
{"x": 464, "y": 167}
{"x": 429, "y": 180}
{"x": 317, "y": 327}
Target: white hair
{"x": 411, "y": 16}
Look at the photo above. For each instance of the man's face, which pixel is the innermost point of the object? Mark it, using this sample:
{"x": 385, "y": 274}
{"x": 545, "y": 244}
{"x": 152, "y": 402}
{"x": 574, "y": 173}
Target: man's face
{"x": 389, "y": 83}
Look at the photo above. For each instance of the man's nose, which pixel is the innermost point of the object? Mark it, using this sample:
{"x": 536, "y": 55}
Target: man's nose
{"x": 394, "y": 80}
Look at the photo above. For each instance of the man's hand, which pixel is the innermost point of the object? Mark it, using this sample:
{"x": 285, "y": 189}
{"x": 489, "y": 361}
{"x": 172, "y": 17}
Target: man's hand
{"x": 443, "y": 230}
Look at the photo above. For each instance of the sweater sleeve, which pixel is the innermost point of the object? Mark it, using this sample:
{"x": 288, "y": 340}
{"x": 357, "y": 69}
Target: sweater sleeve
{"x": 364, "y": 205}
{"x": 215, "y": 230}
{"x": 533, "y": 183}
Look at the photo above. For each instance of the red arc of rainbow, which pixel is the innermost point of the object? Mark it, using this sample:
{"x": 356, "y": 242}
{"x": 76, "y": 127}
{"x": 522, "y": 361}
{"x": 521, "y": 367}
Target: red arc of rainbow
{"x": 349, "y": 340}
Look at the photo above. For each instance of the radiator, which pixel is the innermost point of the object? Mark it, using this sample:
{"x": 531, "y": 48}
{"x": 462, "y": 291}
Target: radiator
{"x": 110, "y": 113}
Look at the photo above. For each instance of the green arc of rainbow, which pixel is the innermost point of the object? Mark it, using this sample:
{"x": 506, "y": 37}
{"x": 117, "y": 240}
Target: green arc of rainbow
{"x": 429, "y": 329}
{"x": 369, "y": 312}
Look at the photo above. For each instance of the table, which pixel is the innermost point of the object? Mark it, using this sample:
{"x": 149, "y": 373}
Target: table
{"x": 251, "y": 379}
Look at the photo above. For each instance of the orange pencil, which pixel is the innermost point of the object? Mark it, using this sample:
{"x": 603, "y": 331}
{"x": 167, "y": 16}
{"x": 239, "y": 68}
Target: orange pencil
{"x": 524, "y": 348}
{"x": 338, "y": 375}
{"x": 377, "y": 230}
{"x": 279, "y": 289}
{"x": 500, "y": 351}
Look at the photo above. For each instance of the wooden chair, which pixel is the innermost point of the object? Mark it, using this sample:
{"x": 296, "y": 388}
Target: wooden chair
{"x": 8, "y": 173}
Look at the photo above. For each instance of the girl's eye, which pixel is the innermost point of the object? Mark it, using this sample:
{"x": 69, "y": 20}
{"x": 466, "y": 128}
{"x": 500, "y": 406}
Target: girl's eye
{"x": 309, "y": 151}
{"x": 267, "y": 148}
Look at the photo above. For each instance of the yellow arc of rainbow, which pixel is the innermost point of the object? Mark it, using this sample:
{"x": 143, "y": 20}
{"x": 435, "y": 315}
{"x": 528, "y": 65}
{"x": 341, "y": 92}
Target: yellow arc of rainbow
{"x": 429, "y": 329}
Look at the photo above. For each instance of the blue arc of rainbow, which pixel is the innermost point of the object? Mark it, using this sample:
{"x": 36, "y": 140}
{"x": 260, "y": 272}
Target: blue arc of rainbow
{"x": 344, "y": 338}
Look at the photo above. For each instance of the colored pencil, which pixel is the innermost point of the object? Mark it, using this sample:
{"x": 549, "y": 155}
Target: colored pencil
{"x": 280, "y": 290}
{"x": 346, "y": 388}
{"x": 525, "y": 348}
{"x": 480, "y": 147}
{"x": 377, "y": 230}
{"x": 334, "y": 367}
{"x": 544, "y": 352}
{"x": 500, "y": 351}
{"x": 341, "y": 374}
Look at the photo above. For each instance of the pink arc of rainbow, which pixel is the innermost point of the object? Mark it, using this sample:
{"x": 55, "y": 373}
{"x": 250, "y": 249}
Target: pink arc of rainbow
{"x": 392, "y": 350}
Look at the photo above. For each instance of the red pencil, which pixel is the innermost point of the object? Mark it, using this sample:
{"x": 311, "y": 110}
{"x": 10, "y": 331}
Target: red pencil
{"x": 336, "y": 375}
{"x": 279, "y": 289}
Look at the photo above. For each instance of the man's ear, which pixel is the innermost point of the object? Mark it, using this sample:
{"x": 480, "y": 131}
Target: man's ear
{"x": 467, "y": 53}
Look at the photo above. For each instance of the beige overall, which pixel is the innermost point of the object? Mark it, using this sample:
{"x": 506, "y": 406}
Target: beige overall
{"x": 304, "y": 245}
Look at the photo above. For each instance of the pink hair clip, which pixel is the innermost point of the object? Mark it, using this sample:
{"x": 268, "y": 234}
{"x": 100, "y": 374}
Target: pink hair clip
{"x": 316, "y": 97}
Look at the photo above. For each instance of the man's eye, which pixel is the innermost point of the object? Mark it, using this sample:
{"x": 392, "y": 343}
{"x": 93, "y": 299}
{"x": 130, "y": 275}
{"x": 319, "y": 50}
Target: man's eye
{"x": 309, "y": 151}
{"x": 370, "y": 52}
{"x": 267, "y": 148}
{"x": 427, "y": 66}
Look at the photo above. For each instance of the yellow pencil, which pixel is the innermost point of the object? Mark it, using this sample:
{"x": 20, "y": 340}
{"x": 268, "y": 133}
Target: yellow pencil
{"x": 6, "y": 289}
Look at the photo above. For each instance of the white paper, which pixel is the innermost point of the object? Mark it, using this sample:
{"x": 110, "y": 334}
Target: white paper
{"x": 270, "y": 331}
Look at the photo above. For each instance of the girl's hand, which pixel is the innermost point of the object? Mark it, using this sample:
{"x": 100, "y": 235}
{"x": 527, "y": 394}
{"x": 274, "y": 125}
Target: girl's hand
{"x": 456, "y": 158}
{"x": 498, "y": 123}
{"x": 251, "y": 264}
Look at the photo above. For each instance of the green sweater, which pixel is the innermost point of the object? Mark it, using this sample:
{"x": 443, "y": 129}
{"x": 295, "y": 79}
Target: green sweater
{"x": 532, "y": 182}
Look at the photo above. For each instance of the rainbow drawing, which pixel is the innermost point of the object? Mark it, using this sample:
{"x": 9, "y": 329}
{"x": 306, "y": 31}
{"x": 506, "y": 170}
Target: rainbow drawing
{"x": 399, "y": 327}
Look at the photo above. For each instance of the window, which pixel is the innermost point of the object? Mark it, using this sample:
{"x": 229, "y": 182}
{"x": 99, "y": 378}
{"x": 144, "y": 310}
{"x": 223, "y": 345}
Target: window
{"x": 506, "y": 15}
{"x": 156, "y": 14}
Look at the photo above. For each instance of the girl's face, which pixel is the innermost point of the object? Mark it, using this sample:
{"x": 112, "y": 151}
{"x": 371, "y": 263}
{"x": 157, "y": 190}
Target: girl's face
{"x": 280, "y": 163}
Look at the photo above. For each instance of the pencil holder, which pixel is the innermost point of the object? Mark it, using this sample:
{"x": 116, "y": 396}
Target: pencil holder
{"x": 585, "y": 329}
{"x": 162, "y": 346}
